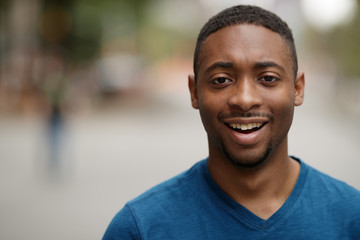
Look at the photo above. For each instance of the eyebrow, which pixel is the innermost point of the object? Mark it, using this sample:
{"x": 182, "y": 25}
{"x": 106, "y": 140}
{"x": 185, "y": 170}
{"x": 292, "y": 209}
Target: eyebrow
{"x": 266, "y": 64}
{"x": 257, "y": 65}
{"x": 219, "y": 65}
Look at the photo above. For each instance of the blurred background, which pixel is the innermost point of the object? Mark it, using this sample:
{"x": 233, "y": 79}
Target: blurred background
{"x": 94, "y": 107}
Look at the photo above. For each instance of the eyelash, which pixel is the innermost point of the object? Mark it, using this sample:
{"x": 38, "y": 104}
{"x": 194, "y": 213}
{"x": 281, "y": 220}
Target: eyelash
{"x": 224, "y": 81}
{"x": 216, "y": 80}
{"x": 273, "y": 79}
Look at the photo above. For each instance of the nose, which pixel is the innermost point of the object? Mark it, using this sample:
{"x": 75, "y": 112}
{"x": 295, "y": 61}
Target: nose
{"x": 245, "y": 95}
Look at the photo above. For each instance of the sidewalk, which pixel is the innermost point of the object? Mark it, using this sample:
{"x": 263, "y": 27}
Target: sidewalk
{"x": 111, "y": 157}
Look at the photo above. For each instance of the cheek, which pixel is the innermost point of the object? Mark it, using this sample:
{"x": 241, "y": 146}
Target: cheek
{"x": 286, "y": 115}
{"x": 207, "y": 113}
{"x": 209, "y": 108}
{"x": 283, "y": 113}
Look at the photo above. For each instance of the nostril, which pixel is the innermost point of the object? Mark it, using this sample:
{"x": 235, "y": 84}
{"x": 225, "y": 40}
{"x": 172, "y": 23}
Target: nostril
{"x": 245, "y": 102}
{"x": 245, "y": 94}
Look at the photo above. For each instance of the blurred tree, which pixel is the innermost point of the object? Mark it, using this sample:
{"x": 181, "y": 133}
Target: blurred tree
{"x": 344, "y": 44}
{"x": 80, "y": 25}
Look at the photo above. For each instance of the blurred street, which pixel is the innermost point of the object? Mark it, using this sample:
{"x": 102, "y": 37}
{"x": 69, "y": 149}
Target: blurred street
{"x": 113, "y": 155}
{"x": 94, "y": 106}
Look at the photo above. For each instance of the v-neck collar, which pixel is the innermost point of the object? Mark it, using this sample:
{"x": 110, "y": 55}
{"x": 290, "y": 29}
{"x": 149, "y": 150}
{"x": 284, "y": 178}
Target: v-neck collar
{"x": 246, "y": 216}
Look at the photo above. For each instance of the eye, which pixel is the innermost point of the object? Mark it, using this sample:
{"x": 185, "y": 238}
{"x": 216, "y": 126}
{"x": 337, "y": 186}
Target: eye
{"x": 221, "y": 80}
{"x": 269, "y": 79}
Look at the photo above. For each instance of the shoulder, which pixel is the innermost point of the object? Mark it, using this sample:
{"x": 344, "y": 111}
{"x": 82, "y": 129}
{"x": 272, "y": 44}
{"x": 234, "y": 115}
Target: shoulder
{"x": 331, "y": 202}
{"x": 123, "y": 226}
{"x": 332, "y": 194}
{"x": 161, "y": 205}
{"x": 171, "y": 189}
{"x": 325, "y": 184}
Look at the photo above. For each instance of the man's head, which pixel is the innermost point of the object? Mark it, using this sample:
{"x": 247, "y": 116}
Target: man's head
{"x": 244, "y": 14}
{"x": 245, "y": 88}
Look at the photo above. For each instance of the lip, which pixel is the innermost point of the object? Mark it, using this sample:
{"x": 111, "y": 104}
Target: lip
{"x": 246, "y": 139}
{"x": 246, "y": 120}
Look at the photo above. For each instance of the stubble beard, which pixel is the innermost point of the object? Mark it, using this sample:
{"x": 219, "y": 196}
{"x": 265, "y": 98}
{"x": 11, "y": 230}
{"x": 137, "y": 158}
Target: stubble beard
{"x": 247, "y": 162}
{"x": 251, "y": 160}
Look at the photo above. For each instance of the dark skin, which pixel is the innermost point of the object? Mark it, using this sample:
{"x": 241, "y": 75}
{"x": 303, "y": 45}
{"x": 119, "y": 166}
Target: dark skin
{"x": 246, "y": 92}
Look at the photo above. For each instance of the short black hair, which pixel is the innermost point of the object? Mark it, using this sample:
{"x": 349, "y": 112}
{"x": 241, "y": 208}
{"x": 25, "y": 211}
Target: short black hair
{"x": 245, "y": 14}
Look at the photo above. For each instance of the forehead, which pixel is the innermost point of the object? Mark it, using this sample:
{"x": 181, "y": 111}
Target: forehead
{"x": 245, "y": 43}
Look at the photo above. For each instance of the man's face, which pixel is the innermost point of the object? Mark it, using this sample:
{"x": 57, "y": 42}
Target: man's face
{"x": 246, "y": 93}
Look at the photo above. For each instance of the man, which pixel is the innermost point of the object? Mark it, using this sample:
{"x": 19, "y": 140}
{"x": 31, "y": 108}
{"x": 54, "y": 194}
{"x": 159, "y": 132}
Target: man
{"x": 245, "y": 85}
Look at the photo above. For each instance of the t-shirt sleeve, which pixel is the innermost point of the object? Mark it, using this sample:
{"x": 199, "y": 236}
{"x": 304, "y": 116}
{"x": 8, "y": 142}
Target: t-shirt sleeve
{"x": 123, "y": 226}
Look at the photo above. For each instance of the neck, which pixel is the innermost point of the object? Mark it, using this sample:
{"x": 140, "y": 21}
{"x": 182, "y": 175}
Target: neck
{"x": 262, "y": 190}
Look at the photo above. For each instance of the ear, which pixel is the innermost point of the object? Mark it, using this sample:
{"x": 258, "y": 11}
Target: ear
{"x": 193, "y": 91}
{"x": 299, "y": 88}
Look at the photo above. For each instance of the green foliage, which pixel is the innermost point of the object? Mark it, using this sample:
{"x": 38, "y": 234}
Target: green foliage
{"x": 92, "y": 21}
{"x": 344, "y": 43}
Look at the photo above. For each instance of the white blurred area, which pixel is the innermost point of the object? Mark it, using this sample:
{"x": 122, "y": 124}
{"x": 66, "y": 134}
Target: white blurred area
{"x": 125, "y": 121}
{"x": 326, "y": 14}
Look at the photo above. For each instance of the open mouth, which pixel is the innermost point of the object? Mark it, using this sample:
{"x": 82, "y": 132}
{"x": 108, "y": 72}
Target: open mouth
{"x": 246, "y": 128}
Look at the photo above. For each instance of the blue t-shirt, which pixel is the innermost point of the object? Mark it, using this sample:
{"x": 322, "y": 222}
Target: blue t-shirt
{"x": 192, "y": 206}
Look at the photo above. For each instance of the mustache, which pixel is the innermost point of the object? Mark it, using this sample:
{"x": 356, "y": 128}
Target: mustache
{"x": 246, "y": 115}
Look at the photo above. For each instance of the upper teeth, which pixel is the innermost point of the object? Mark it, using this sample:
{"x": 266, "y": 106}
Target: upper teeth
{"x": 245, "y": 126}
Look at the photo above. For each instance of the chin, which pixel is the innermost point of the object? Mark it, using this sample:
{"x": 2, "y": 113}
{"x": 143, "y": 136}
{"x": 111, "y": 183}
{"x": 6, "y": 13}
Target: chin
{"x": 248, "y": 160}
